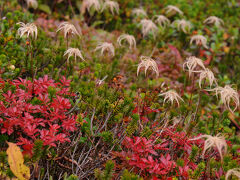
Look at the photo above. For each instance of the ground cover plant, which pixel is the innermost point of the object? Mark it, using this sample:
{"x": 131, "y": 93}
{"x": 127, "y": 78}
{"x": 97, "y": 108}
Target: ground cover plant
{"x": 118, "y": 89}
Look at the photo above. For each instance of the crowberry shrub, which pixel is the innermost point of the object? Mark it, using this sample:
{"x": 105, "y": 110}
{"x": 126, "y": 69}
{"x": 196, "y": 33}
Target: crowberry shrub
{"x": 36, "y": 110}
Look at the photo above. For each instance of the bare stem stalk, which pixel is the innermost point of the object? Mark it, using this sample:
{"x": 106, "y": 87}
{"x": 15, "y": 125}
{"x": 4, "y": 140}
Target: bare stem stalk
{"x": 190, "y": 100}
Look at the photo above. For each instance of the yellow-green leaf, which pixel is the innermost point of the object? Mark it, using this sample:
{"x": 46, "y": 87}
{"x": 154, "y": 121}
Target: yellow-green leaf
{"x": 45, "y": 8}
{"x": 15, "y": 160}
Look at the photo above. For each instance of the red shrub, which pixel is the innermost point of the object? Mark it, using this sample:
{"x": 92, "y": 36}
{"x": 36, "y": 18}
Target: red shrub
{"x": 158, "y": 159}
{"x": 35, "y": 114}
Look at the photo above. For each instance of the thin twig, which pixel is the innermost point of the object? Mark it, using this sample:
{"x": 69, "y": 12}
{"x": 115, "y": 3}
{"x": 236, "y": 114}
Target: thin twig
{"x": 91, "y": 125}
{"x": 73, "y": 108}
{"x": 105, "y": 123}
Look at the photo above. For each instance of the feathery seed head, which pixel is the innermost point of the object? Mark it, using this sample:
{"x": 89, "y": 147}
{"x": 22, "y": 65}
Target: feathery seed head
{"x": 234, "y": 172}
{"x": 112, "y": 5}
{"x": 147, "y": 62}
{"x": 148, "y": 26}
{"x": 68, "y": 29}
{"x": 208, "y": 75}
{"x": 227, "y": 95}
{"x": 88, "y": 4}
{"x": 106, "y": 47}
{"x": 129, "y": 38}
{"x": 214, "y": 20}
{"x": 217, "y": 141}
{"x": 170, "y": 9}
{"x": 74, "y": 52}
{"x": 139, "y": 12}
{"x": 171, "y": 96}
{"x": 192, "y": 63}
{"x": 32, "y": 3}
{"x": 29, "y": 29}
{"x": 199, "y": 40}
{"x": 183, "y": 25}
{"x": 161, "y": 20}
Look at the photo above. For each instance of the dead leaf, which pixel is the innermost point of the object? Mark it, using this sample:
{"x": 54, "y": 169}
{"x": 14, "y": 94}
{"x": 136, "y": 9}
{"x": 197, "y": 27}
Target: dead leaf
{"x": 16, "y": 162}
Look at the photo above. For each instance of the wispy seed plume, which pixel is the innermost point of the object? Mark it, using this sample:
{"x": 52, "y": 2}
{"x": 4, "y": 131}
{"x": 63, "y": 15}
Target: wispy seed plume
{"x": 192, "y": 63}
{"x": 173, "y": 9}
{"x": 106, "y": 47}
{"x": 199, "y": 40}
{"x": 207, "y": 74}
{"x": 148, "y": 26}
{"x": 171, "y": 96}
{"x": 227, "y": 95}
{"x": 183, "y": 25}
{"x": 90, "y": 4}
{"x": 68, "y": 29}
{"x": 139, "y": 12}
{"x": 213, "y": 20}
{"x": 233, "y": 172}
{"x": 112, "y": 6}
{"x": 32, "y": 3}
{"x": 75, "y": 52}
{"x": 161, "y": 20}
{"x": 130, "y": 39}
{"x": 29, "y": 29}
{"x": 217, "y": 141}
{"x": 147, "y": 62}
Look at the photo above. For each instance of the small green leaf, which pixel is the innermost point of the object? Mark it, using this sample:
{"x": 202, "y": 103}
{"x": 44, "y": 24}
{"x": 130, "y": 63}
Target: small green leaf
{"x": 96, "y": 23}
{"x": 45, "y": 8}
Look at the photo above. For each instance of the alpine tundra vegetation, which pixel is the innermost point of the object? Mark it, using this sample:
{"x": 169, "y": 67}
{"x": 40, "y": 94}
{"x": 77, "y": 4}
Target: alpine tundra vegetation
{"x": 119, "y": 89}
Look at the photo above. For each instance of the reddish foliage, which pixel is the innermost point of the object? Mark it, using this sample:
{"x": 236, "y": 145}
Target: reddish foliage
{"x": 45, "y": 120}
{"x": 158, "y": 159}
{"x": 175, "y": 51}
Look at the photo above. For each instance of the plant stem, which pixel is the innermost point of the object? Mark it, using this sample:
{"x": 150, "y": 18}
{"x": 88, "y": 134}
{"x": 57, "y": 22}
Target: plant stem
{"x": 31, "y": 61}
{"x": 198, "y": 104}
{"x": 70, "y": 4}
{"x": 213, "y": 125}
{"x": 190, "y": 100}
{"x": 27, "y": 56}
{"x": 31, "y": 64}
{"x": 67, "y": 49}
{"x": 67, "y": 41}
